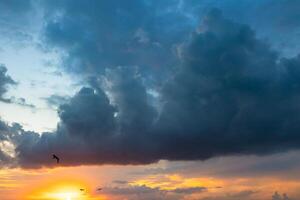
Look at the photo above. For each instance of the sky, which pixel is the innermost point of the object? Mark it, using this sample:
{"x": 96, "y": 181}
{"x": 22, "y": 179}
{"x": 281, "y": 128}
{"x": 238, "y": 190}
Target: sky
{"x": 149, "y": 99}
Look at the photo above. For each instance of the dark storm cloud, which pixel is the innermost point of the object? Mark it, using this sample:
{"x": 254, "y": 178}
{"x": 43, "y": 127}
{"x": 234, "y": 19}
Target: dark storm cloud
{"x": 275, "y": 21}
{"x": 232, "y": 94}
{"x": 130, "y": 96}
{"x": 92, "y": 128}
{"x": 88, "y": 112}
{"x": 83, "y": 132}
{"x": 95, "y": 35}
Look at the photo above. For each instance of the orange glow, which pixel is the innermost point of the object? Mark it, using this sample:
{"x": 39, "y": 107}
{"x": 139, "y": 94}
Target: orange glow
{"x": 67, "y": 192}
{"x": 63, "y": 190}
{"x": 65, "y": 183}
{"x": 59, "y": 191}
{"x": 173, "y": 181}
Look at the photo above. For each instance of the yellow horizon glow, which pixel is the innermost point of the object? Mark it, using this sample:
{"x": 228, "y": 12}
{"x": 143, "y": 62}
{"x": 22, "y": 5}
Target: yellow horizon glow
{"x": 65, "y": 183}
{"x": 59, "y": 190}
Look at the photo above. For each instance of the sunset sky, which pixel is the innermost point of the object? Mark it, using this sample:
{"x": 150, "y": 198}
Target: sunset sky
{"x": 150, "y": 99}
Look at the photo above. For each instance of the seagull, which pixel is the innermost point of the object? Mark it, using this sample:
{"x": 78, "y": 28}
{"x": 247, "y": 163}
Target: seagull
{"x": 55, "y": 157}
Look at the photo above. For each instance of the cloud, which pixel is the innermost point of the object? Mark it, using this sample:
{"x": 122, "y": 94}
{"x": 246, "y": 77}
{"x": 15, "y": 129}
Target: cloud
{"x": 6, "y": 147}
{"x": 281, "y": 166}
{"x": 97, "y": 35}
{"x": 282, "y": 28}
{"x": 277, "y": 196}
{"x": 144, "y": 192}
{"x": 245, "y": 195}
{"x": 88, "y": 113}
{"x": 99, "y": 131}
{"x": 56, "y": 100}
{"x": 5, "y": 82}
{"x": 13, "y": 6}
{"x": 19, "y": 101}
{"x": 15, "y": 21}
{"x": 120, "y": 182}
{"x": 232, "y": 94}
{"x": 189, "y": 190}
{"x": 275, "y": 21}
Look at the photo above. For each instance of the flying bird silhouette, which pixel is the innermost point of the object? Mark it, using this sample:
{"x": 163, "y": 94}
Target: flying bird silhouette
{"x": 56, "y": 158}
{"x": 81, "y": 189}
{"x": 99, "y": 189}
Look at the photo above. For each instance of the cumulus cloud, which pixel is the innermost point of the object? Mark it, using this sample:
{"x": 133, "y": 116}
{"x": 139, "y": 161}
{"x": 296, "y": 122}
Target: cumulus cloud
{"x": 96, "y": 130}
{"x": 232, "y": 94}
{"x": 96, "y": 35}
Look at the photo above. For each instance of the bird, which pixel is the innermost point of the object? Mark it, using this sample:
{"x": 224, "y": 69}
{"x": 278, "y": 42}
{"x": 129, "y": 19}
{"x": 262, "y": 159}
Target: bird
{"x": 81, "y": 189}
{"x": 55, "y": 157}
{"x": 99, "y": 189}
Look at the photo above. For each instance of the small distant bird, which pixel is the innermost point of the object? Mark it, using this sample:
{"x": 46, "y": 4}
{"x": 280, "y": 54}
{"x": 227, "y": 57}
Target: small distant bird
{"x": 99, "y": 189}
{"x": 56, "y": 158}
{"x": 81, "y": 189}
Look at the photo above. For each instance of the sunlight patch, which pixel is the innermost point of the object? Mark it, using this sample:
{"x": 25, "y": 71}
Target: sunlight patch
{"x": 8, "y": 148}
